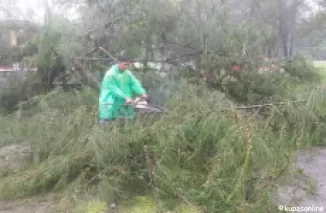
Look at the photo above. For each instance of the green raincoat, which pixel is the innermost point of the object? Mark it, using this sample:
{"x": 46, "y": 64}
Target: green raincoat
{"x": 115, "y": 87}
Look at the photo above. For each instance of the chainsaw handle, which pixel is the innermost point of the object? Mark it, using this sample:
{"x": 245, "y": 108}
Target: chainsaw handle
{"x": 141, "y": 99}
{"x": 144, "y": 99}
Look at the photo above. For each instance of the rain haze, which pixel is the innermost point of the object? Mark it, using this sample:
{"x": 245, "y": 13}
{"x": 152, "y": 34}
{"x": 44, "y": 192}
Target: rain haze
{"x": 170, "y": 106}
{"x": 32, "y": 10}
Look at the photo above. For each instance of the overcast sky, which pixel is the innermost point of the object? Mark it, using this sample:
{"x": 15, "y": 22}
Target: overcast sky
{"x": 33, "y": 10}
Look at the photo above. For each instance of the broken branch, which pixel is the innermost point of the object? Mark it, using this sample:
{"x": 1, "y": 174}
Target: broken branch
{"x": 263, "y": 105}
{"x": 90, "y": 59}
{"x": 107, "y": 52}
{"x": 103, "y": 25}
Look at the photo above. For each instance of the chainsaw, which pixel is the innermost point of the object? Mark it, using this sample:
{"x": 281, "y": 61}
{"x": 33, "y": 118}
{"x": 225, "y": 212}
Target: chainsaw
{"x": 142, "y": 106}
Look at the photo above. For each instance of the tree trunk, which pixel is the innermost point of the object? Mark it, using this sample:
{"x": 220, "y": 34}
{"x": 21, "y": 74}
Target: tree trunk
{"x": 148, "y": 44}
{"x": 291, "y": 44}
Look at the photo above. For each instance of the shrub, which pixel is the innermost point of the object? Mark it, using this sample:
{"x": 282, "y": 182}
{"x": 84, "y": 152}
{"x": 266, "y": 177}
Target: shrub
{"x": 217, "y": 159}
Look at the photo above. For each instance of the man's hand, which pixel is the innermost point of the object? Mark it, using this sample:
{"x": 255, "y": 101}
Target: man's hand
{"x": 144, "y": 96}
{"x": 128, "y": 101}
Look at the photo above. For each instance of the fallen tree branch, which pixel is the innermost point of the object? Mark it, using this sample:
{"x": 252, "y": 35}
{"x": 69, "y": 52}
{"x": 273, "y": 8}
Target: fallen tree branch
{"x": 180, "y": 56}
{"x": 84, "y": 74}
{"x": 107, "y": 52}
{"x": 103, "y": 25}
{"x": 89, "y": 52}
{"x": 167, "y": 61}
{"x": 180, "y": 193}
{"x": 263, "y": 105}
{"x": 182, "y": 45}
{"x": 90, "y": 59}
{"x": 270, "y": 179}
{"x": 201, "y": 116}
{"x": 75, "y": 60}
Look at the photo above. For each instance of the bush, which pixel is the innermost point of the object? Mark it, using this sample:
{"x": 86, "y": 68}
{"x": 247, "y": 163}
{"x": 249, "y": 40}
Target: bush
{"x": 18, "y": 91}
{"x": 248, "y": 86}
{"x": 216, "y": 160}
{"x": 302, "y": 70}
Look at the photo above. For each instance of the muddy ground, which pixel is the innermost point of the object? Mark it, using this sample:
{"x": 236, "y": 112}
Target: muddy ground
{"x": 302, "y": 193}
{"x": 30, "y": 205}
{"x": 309, "y": 191}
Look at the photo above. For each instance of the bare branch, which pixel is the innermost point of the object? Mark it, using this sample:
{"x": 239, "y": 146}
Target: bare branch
{"x": 89, "y": 59}
{"x": 103, "y": 25}
{"x": 109, "y": 54}
{"x": 263, "y": 105}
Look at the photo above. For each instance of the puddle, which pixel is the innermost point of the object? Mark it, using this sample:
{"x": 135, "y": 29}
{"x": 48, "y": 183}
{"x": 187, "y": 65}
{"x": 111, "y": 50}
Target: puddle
{"x": 307, "y": 194}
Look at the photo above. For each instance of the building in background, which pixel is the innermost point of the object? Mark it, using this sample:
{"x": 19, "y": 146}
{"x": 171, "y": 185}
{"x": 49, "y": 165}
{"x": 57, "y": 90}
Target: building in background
{"x": 14, "y": 34}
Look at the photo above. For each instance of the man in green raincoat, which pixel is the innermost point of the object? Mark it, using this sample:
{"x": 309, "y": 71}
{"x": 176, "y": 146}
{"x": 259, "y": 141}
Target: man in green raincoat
{"x": 117, "y": 89}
